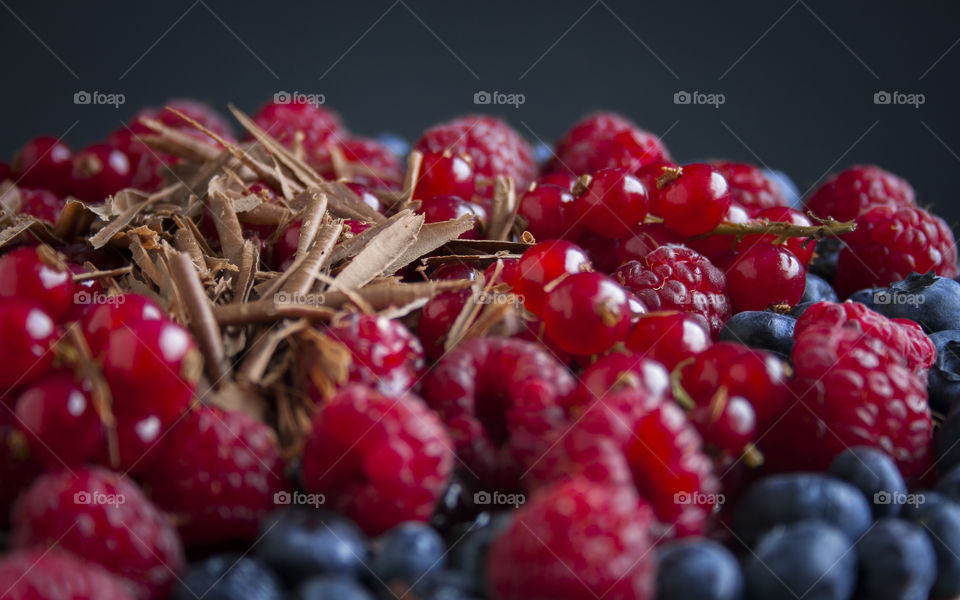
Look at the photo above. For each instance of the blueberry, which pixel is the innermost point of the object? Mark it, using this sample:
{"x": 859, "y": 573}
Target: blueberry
{"x": 943, "y": 378}
{"x": 948, "y": 442}
{"x": 824, "y": 263}
{"x": 897, "y": 561}
{"x": 408, "y": 552}
{"x": 394, "y": 142}
{"x": 787, "y": 187}
{"x": 332, "y": 587}
{"x": 444, "y": 585}
{"x": 470, "y": 552}
{"x": 942, "y": 524}
{"x": 300, "y": 543}
{"x": 761, "y": 329}
{"x": 931, "y": 301}
{"x": 542, "y": 153}
{"x": 797, "y": 311}
{"x": 228, "y": 577}
{"x": 790, "y": 497}
{"x": 875, "y": 474}
{"x": 810, "y": 560}
{"x": 698, "y": 569}
{"x": 818, "y": 290}
{"x": 920, "y": 502}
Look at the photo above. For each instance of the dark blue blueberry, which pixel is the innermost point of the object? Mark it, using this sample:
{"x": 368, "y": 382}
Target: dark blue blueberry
{"x": 394, "y": 142}
{"x": 797, "y": 311}
{"x": 697, "y": 569}
{"x": 408, "y": 552}
{"x": 444, "y": 585}
{"x": 921, "y": 501}
{"x": 818, "y": 290}
{"x": 931, "y": 301}
{"x": 542, "y": 152}
{"x": 809, "y": 560}
{"x": 332, "y": 587}
{"x": 897, "y": 561}
{"x": 942, "y": 524}
{"x": 787, "y": 187}
{"x": 791, "y": 497}
{"x": 469, "y": 554}
{"x": 948, "y": 442}
{"x": 874, "y": 473}
{"x": 943, "y": 378}
{"x": 761, "y": 329}
{"x": 949, "y": 484}
{"x": 824, "y": 263}
{"x": 300, "y": 543}
{"x": 228, "y": 577}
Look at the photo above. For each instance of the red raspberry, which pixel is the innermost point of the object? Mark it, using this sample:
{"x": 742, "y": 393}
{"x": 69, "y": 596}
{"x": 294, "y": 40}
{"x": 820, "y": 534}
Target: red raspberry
{"x": 493, "y": 146}
{"x": 674, "y": 277}
{"x": 903, "y": 336}
{"x": 27, "y": 274}
{"x": 107, "y": 520}
{"x": 669, "y": 337}
{"x": 54, "y": 575}
{"x": 499, "y": 398}
{"x": 217, "y": 476}
{"x": 196, "y": 110}
{"x": 635, "y": 438}
{"x": 749, "y": 187}
{"x": 379, "y": 460}
{"x": 41, "y": 204}
{"x": 385, "y": 353}
{"x": 889, "y": 243}
{"x": 576, "y": 541}
{"x": 606, "y": 140}
{"x": 366, "y": 155}
{"x": 319, "y": 125}
{"x": 848, "y": 194}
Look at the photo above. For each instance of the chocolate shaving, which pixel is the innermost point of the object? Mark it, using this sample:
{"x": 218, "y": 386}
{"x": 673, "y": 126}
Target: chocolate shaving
{"x": 312, "y": 218}
{"x": 504, "y": 209}
{"x": 347, "y": 204}
{"x": 10, "y": 200}
{"x": 102, "y": 274}
{"x": 268, "y": 311}
{"x": 381, "y": 253}
{"x": 303, "y": 273}
{"x": 327, "y": 361}
{"x": 114, "y": 227}
{"x": 225, "y": 220}
{"x": 255, "y": 364}
{"x": 431, "y": 237}
{"x": 486, "y": 247}
{"x": 297, "y": 166}
{"x": 243, "y": 283}
{"x": 352, "y": 246}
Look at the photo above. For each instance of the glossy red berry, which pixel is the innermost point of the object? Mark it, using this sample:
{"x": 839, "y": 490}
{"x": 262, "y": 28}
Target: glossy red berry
{"x": 693, "y": 199}
{"x": 99, "y": 171}
{"x": 445, "y": 208}
{"x": 436, "y": 318}
{"x": 452, "y": 271}
{"x": 34, "y": 275}
{"x": 508, "y": 272}
{"x": 140, "y": 440}
{"x": 117, "y": 312}
{"x": 727, "y": 424}
{"x": 284, "y": 120}
{"x": 765, "y": 276}
{"x": 669, "y": 337}
{"x": 802, "y": 248}
{"x": 587, "y": 313}
{"x": 445, "y": 174}
{"x": 41, "y": 204}
{"x": 849, "y": 193}
{"x": 749, "y": 187}
{"x": 643, "y": 240}
{"x": 28, "y": 335}
{"x": 44, "y": 162}
{"x": 719, "y": 248}
{"x": 560, "y": 179}
{"x": 366, "y": 195}
{"x": 606, "y": 140}
{"x": 285, "y": 249}
{"x": 616, "y": 372}
{"x": 613, "y": 203}
{"x": 542, "y": 264}
{"x": 550, "y": 212}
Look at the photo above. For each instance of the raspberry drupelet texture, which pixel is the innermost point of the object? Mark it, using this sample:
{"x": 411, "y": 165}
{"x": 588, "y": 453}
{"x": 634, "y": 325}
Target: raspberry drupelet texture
{"x": 379, "y": 460}
{"x": 603, "y": 141}
{"x": 318, "y": 125}
{"x": 851, "y": 192}
{"x": 36, "y": 574}
{"x": 749, "y": 187}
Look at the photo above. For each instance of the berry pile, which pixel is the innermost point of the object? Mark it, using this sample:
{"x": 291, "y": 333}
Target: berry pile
{"x": 320, "y": 372}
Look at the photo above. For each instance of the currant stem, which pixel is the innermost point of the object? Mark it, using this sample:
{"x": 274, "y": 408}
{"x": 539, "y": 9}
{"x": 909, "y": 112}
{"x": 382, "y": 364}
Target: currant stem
{"x": 784, "y": 230}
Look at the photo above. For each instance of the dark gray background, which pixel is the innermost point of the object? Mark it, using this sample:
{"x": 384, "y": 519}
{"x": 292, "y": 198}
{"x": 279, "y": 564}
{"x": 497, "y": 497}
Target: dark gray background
{"x": 798, "y": 76}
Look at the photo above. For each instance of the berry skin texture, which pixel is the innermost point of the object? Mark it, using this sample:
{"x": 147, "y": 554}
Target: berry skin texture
{"x": 445, "y": 208}
{"x": 613, "y": 203}
{"x": 436, "y": 319}
{"x": 765, "y": 276}
{"x": 669, "y": 337}
{"x": 217, "y": 476}
{"x": 499, "y": 398}
{"x": 41, "y": 575}
{"x": 891, "y": 242}
{"x": 44, "y": 162}
{"x": 575, "y": 541}
{"x": 319, "y": 125}
{"x": 550, "y": 212}
{"x": 385, "y": 353}
{"x": 29, "y": 334}
{"x": 99, "y": 171}
{"x": 850, "y": 193}
{"x": 228, "y": 577}
{"x": 941, "y": 521}
{"x": 105, "y": 519}
{"x": 693, "y": 199}
{"x": 897, "y": 561}
{"x": 943, "y": 379}
{"x": 377, "y": 459}
{"x": 762, "y": 330}
{"x": 27, "y": 274}
{"x": 124, "y": 310}
{"x": 586, "y": 314}
{"x": 606, "y": 140}
{"x": 701, "y": 569}
{"x": 41, "y": 204}
{"x": 445, "y": 174}
{"x": 875, "y": 474}
{"x": 615, "y": 372}
{"x": 749, "y": 187}
{"x": 677, "y": 278}
{"x": 931, "y": 301}
{"x": 543, "y": 263}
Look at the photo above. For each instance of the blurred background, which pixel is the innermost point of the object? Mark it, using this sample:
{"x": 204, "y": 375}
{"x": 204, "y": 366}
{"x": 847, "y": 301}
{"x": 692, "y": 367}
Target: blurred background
{"x": 805, "y": 86}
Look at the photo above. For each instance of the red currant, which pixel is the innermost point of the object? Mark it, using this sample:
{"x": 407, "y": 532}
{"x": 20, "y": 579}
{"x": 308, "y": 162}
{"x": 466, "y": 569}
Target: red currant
{"x": 452, "y": 271}
{"x": 26, "y": 274}
{"x": 44, "y": 162}
{"x": 765, "y": 276}
{"x": 140, "y": 441}
{"x": 366, "y": 195}
{"x": 445, "y": 208}
{"x": 286, "y": 247}
{"x": 693, "y": 199}
{"x": 543, "y": 263}
{"x": 28, "y": 336}
{"x": 802, "y": 248}
{"x": 615, "y": 372}
{"x": 118, "y": 312}
{"x": 613, "y": 203}
{"x": 445, "y": 174}
{"x": 728, "y": 424}
{"x": 604, "y": 253}
{"x": 99, "y": 171}
{"x": 718, "y": 248}
{"x": 550, "y": 212}
{"x": 436, "y": 318}
{"x": 587, "y": 313}
{"x": 669, "y": 337}
{"x": 508, "y": 272}
{"x": 561, "y": 179}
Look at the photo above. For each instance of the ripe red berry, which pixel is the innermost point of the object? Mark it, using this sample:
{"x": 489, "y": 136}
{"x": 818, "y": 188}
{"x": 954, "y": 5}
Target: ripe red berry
{"x": 120, "y": 311}
{"x": 613, "y": 203}
{"x": 28, "y": 335}
{"x": 542, "y": 264}
{"x": 37, "y": 574}
{"x": 849, "y": 193}
{"x": 31, "y": 275}
{"x": 586, "y": 313}
{"x": 445, "y": 174}
{"x": 385, "y": 354}
{"x": 749, "y": 187}
{"x": 550, "y": 212}
{"x": 802, "y": 248}
{"x": 603, "y": 141}
{"x": 720, "y": 248}
{"x": 643, "y": 240}
{"x": 693, "y": 199}
{"x": 17, "y": 465}
{"x": 445, "y": 208}
{"x": 140, "y": 439}
{"x": 669, "y": 337}
{"x": 41, "y": 204}
{"x": 99, "y": 171}
{"x": 44, "y": 162}
{"x": 615, "y": 372}
{"x": 318, "y": 124}
{"x": 508, "y": 272}
{"x": 764, "y": 276}
{"x": 371, "y": 163}
{"x": 436, "y": 319}
{"x": 560, "y": 179}
{"x": 453, "y": 271}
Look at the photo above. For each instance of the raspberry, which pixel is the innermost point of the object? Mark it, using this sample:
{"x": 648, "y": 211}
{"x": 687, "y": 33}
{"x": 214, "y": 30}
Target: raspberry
{"x": 498, "y": 397}
{"x": 692, "y": 199}
{"x": 365, "y": 155}
{"x": 35, "y": 276}
{"x": 44, "y": 162}
{"x": 492, "y": 145}
{"x": 586, "y": 313}
{"x": 889, "y": 243}
{"x": 99, "y": 171}
{"x": 283, "y": 121}
{"x": 28, "y": 336}
{"x": 105, "y": 519}
{"x": 217, "y": 476}
{"x": 54, "y": 575}
{"x": 379, "y": 460}
{"x": 606, "y": 140}
{"x": 850, "y": 193}
{"x": 765, "y": 276}
{"x": 576, "y": 541}
{"x": 613, "y": 203}
{"x": 674, "y": 277}
{"x": 635, "y": 438}
{"x": 749, "y": 187}
{"x": 385, "y": 353}
{"x": 196, "y": 110}
{"x": 41, "y": 204}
